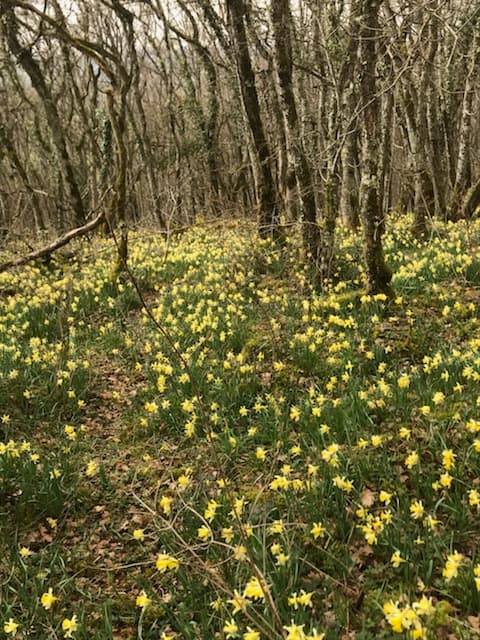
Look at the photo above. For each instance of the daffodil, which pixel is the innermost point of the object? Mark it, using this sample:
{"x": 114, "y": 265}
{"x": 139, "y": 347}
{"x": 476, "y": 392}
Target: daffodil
{"x": 48, "y": 599}
{"x": 69, "y": 626}
{"x": 253, "y": 589}
{"x": 142, "y": 600}
{"x": 166, "y": 562}
{"x": 11, "y": 627}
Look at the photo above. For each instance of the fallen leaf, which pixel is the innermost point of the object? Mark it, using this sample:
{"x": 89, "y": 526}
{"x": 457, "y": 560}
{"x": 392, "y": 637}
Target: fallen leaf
{"x": 368, "y": 498}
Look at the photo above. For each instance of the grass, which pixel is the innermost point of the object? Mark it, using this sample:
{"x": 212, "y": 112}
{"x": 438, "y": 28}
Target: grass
{"x": 262, "y": 461}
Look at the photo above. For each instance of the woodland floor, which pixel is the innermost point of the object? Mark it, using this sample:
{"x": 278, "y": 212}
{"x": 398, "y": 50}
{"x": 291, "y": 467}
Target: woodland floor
{"x": 263, "y": 461}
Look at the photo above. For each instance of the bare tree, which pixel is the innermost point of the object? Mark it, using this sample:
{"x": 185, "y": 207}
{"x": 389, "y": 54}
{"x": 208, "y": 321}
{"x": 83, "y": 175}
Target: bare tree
{"x": 158, "y": 112}
{"x": 25, "y": 59}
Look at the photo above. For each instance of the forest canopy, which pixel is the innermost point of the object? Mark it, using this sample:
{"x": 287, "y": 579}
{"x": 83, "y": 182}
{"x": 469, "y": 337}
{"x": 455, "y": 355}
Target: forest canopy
{"x": 157, "y": 112}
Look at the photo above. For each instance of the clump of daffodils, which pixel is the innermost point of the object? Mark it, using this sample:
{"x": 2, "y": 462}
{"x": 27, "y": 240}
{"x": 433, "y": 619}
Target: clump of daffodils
{"x": 166, "y": 562}
{"x": 410, "y": 618}
{"x": 452, "y": 565}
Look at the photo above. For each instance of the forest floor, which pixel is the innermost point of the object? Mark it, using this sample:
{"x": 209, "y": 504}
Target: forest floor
{"x": 235, "y": 455}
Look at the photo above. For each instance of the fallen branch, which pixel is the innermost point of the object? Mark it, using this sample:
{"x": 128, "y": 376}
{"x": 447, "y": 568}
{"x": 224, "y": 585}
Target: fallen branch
{"x": 57, "y": 244}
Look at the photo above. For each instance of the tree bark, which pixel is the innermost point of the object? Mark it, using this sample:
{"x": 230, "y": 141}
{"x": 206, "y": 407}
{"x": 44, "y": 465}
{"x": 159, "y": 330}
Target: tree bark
{"x": 378, "y": 275}
{"x": 471, "y": 201}
{"x": 269, "y": 222}
{"x": 40, "y": 223}
{"x": 280, "y": 17}
{"x": 30, "y": 66}
{"x": 463, "y": 156}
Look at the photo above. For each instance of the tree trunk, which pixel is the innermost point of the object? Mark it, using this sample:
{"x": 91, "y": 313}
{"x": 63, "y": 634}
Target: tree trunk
{"x": 471, "y": 201}
{"x": 386, "y": 151}
{"x": 463, "y": 156}
{"x": 269, "y": 222}
{"x": 377, "y": 273}
{"x": 349, "y": 198}
{"x": 349, "y": 201}
{"x": 30, "y": 66}
{"x": 280, "y": 16}
{"x": 40, "y": 223}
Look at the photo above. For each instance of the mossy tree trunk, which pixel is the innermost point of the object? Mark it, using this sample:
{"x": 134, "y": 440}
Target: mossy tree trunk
{"x": 378, "y": 275}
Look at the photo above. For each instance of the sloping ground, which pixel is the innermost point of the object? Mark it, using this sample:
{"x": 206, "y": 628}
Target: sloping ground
{"x": 244, "y": 458}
